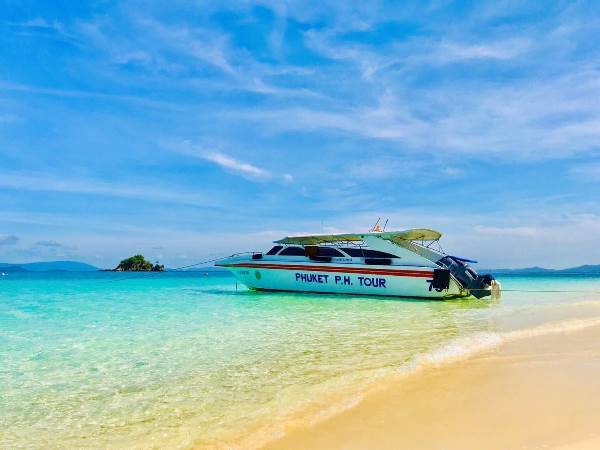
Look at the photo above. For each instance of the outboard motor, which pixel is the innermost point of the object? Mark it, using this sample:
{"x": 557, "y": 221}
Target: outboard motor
{"x": 478, "y": 285}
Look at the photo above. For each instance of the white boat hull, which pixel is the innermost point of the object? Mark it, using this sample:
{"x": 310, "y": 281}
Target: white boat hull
{"x": 398, "y": 281}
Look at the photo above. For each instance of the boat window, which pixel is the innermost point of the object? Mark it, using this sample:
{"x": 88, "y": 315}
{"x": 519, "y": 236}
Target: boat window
{"x": 329, "y": 251}
{"x": 362, "y": 252}
{"x": 274, "y": 250}
{"x": 292, "y": 251}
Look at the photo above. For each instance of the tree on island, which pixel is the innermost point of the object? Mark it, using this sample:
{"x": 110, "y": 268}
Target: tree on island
{"x": 138, "y": 263}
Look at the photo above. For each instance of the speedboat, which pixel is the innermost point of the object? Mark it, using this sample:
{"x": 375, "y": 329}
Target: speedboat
{"x": 408, "y": 263}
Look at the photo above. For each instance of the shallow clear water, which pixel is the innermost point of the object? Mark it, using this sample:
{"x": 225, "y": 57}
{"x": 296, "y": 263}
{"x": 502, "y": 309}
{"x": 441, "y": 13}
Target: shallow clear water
{"x": 175, "y": 360}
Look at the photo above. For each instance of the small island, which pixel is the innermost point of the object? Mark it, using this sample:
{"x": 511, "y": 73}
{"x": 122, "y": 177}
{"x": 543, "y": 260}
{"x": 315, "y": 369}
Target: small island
{"x": 138, "y": 263}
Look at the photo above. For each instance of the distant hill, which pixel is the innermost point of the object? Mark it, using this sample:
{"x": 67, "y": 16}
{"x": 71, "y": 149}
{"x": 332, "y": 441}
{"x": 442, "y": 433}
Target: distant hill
{"x": 588, "y": 269}
{"x": 47, "y": 266}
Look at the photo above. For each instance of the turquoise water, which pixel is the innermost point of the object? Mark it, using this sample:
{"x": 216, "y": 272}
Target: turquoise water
{"x": 175, "y": 360}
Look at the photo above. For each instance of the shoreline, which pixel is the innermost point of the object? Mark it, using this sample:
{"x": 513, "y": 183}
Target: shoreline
{"x": 540, "y": 385}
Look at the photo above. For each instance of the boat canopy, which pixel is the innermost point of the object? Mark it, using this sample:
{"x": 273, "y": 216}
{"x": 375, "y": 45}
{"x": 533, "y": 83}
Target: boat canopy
{"x": 415, "y": 234}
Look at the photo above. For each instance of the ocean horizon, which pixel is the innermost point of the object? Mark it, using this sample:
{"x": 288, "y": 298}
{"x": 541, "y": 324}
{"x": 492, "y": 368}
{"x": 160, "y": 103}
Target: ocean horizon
{"x": 191, "y": 359}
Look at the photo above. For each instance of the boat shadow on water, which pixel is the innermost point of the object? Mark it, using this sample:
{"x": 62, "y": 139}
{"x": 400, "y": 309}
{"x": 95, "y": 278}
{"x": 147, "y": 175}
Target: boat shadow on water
{"x": 257, "y": 294}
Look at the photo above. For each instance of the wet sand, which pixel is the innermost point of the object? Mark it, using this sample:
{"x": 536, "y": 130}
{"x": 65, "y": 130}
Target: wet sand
{"x": 539, "y": 392}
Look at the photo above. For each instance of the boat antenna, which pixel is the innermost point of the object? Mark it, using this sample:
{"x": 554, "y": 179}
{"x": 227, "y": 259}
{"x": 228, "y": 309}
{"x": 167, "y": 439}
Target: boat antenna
{"x": 385, "y": 224}
{"x": 376, "y": 228}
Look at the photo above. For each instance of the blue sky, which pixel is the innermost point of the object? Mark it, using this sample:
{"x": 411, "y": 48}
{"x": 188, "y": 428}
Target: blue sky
{"x": 186, "y": 130}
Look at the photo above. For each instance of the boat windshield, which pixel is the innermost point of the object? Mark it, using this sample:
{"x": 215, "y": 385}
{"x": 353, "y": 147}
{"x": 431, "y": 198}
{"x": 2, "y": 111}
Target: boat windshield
{"x": 292, "y": 251}
{"x": 274, "y": 250}
{"x": 366, "y": 253}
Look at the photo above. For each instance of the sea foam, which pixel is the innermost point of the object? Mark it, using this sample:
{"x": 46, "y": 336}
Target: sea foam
{"x": 464, "y": 347}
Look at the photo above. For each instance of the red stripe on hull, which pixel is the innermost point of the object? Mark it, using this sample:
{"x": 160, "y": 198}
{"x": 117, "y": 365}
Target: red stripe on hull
{"x": 315, "y": 268}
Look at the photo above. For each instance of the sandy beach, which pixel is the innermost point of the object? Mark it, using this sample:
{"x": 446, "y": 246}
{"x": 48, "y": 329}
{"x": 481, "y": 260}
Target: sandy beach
{"x": 537, "y": 392}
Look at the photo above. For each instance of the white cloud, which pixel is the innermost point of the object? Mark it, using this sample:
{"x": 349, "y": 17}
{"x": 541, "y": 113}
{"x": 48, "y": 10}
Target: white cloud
{"x": 245, "y": 169}
{"x": 503, "y": 118}
{"x": 143, "y": 190}
{"x": 512, "y": 120}
{"x": 378, "y": 166}
{"x": 36, "y": 22}
{"x": 227, "y": 162}
{"x": 74, "y": 93}
{"x": 43, "y": 25}
{"x": 198, "y": 44}
{"x": 211, "y": 48}
{"x": 369, "y": 62}
{"x": 500, "y": 50}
